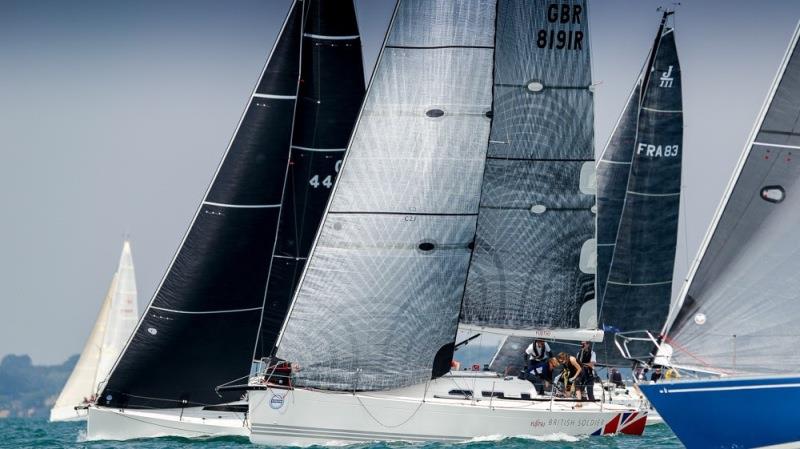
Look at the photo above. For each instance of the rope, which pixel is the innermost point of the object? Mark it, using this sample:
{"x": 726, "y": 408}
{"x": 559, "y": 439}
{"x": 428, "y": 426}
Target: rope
{"x": 424, "y": 395}
{"x": 702, "y": 362}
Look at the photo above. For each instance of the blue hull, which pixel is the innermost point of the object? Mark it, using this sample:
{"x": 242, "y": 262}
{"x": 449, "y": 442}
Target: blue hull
{"x": 730, "y": 413}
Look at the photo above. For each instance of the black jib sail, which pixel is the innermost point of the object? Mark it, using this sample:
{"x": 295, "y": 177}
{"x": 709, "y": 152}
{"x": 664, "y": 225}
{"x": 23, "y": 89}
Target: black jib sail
{"x": 198, "y": 330}
{"x": 639, "y": 184}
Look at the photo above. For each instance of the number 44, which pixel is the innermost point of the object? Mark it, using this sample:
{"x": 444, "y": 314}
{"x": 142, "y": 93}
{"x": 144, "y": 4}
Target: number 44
{"x": 327, "y": 181}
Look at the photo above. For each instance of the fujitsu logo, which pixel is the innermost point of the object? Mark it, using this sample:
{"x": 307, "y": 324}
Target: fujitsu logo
{"x": 666, "y": 78}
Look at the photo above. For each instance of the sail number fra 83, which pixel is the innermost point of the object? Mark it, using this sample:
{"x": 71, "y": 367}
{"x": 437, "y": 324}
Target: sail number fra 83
{"x": 562, "y": 13}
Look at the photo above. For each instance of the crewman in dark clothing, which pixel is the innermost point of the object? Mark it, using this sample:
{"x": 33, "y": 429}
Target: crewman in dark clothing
{"x": 616, "y": 378}
{"x": 656, "y": 376}
{"x": 587, "y": 358}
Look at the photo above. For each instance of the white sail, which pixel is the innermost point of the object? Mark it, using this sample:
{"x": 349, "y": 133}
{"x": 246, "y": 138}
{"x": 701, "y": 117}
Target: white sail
{"x": 122, "y": 317}
{"x": 82, "y": 382}
{"x": 114, "y": 324}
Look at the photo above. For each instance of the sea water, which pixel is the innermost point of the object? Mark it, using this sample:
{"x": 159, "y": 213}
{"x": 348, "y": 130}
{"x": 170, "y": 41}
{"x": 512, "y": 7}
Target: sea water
{"x": 38, "y": 433}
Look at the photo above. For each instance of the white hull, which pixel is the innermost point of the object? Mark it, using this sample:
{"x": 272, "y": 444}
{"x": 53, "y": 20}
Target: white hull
{"x": 307, "y": 417}
{"x": 194, "y": 422}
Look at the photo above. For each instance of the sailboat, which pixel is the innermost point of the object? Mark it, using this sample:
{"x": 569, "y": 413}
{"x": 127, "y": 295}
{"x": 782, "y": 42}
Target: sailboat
{"x": 638, "y": 200}
{"x": 233, "y": 275}
{"x": 115, "y": 323}
{"x": 736, "y": 318}
{"x": 467, "y": 190}
{"x": 632, "y": 216}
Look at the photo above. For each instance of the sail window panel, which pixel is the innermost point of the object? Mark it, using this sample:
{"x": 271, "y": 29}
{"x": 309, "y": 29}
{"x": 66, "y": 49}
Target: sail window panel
{"x": 222, "y": 263}
{"x": 328, "y": 18}
{"x": 366, "y": 271}
{"x": 525, "y": 270}
{"x": 431, "y": 23}
{"x": 552, "y": 124}
{"x": 645, "y": 252}
{"x": 510, "y": 184}
{"x": 258, "y": 152}
{"x": 281, "y": 73}
{"x": 522, "y": 26}
{"x": 171, "y": 363}
{"x": 326, "y": 111}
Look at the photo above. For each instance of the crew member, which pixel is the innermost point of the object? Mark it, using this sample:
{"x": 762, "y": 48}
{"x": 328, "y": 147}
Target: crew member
{"x": 587, "y": 358}
{"x": 616, "y": 378}
{"x": 571, "y": 372}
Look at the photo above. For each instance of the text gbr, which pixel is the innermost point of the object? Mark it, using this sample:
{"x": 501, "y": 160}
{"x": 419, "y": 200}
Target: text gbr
{"x": 561, "y": 13}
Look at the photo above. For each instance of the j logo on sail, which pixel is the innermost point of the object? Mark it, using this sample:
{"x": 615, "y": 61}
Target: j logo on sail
{"x": 666, "y": 78}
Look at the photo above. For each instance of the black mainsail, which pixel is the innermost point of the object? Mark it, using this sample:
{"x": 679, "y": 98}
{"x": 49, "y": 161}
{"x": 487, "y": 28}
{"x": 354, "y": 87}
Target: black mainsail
{"x": 379, "y": 301}
{"x": 198, "y": 330}
{"x": 639, "y": 186}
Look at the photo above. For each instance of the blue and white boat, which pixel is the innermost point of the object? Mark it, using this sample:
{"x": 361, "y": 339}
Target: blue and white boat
{"x": 737, "y": 314}
{"x": 747, "y": 412}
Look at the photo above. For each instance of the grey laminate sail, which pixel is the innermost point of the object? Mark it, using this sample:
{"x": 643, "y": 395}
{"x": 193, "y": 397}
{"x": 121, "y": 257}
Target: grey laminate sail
{"x": 739, "y": 310}
{"x": 533, "y": 266}
{"x": 378, "y": 304}
{"x": 638, "y": 288}
{"x": 382, "y": 289}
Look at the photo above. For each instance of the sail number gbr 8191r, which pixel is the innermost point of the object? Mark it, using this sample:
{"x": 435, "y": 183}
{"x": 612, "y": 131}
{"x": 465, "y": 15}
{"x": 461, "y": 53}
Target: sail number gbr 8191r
{"x": 561, "y": 13}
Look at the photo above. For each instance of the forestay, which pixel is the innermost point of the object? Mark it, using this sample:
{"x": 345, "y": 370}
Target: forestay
{"x": 638, "y": 288}
{"x": 378, "y": 304}
{"x": 534, "y": 262}
{"x": 199, "y": 328}
{"x": 738, "y": 312}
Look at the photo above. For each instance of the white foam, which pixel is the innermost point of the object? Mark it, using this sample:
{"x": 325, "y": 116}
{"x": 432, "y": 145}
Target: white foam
{"x": 543, "y": 438}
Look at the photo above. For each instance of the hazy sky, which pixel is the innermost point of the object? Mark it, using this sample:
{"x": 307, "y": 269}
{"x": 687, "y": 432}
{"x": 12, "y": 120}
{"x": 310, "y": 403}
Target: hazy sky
{"x": 114, "y": 115}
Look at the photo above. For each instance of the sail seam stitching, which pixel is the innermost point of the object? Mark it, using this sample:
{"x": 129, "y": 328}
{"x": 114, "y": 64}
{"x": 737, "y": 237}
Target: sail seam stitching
{"x": 642, "y": 284}
{"x": 405, "y": 213}
{"x": 652, "y": 194}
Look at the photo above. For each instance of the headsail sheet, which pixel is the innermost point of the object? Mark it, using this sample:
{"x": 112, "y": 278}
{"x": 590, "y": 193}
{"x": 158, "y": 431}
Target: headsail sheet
{"x": 198, "y": 330}
{"x": 329, "y": 98}
{"x": 536, "y": 220}
{"x": 378, "y": 304}
{"x": 738, "y": 313}
{"x": 638, "y": 288}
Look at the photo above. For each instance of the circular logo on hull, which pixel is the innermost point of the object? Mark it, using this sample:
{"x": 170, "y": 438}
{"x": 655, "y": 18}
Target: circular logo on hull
{"x": 276, "y": 402}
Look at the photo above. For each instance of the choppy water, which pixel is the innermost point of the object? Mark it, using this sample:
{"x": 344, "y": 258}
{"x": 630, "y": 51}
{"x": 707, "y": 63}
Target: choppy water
{"x": 33, "y": 433}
